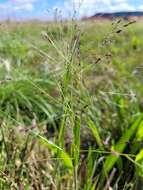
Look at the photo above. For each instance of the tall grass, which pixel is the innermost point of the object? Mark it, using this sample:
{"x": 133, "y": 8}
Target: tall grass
{"x": 68, "y": 119}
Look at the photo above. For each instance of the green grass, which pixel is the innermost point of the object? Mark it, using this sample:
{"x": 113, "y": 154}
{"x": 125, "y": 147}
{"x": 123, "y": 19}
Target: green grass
{"x": 71, "y": 108}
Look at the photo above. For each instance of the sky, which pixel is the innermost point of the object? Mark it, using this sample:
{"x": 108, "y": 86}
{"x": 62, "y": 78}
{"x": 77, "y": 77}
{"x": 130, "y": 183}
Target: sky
{"x": 45, "y": 9}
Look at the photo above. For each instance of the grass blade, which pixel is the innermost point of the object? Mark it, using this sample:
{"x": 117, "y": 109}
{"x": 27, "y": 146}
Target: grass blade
{"x": 57, "y": 150}
{"x": 120, "y": 146}
{"x": 95, "y": 132}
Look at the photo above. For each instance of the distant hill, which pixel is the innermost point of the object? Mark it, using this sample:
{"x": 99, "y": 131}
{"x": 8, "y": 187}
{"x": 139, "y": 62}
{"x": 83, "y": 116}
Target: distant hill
{"x": 126, "y": 15}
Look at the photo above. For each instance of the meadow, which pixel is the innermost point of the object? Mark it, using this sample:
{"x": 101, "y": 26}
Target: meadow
{"x": 71, "y": 105}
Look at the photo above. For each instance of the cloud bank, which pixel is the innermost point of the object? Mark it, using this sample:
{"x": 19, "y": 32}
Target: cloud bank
{"x": 36, "y": 8}
{"x": 90, "y": 7}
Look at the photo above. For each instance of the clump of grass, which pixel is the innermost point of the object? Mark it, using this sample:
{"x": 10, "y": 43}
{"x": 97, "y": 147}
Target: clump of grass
{"x": 75, "y": 124}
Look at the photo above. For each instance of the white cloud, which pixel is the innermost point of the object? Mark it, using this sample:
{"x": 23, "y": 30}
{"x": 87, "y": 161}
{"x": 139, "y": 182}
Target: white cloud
{"x": 13, "y": 6}
{"x": 120, "y": 1}
{"x": 122, "y": 7}
{"x": 23, "y": 1}
{"x": 90, "y": 7}
{"x": 140, "y": 8}
{"x": 26, "y": 5}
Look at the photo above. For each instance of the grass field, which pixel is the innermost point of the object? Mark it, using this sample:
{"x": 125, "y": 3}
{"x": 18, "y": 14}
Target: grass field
{"x": 71, "y": 105}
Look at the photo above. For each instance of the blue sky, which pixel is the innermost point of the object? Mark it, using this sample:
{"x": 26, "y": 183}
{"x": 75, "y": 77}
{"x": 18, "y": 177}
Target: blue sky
{"x": 22, "y": 9}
